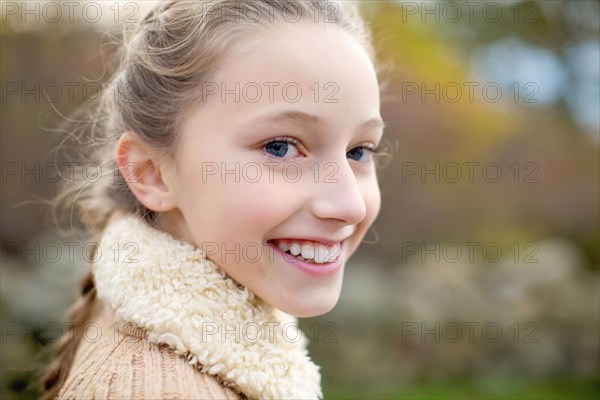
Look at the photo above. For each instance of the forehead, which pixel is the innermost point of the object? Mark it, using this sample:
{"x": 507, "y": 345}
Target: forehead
{"x": 304, "y": 67}
{"x": 302, "y": 53}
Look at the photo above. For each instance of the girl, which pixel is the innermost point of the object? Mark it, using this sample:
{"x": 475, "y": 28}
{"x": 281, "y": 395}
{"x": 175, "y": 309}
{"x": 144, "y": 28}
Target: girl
{"x": 243, "y": 134}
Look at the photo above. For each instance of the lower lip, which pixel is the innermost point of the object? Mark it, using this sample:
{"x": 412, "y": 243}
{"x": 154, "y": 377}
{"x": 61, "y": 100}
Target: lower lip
{"x": 311, "y": 269}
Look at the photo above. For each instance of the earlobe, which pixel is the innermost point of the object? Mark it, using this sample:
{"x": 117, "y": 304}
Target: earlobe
{"x": 142, "y": 173}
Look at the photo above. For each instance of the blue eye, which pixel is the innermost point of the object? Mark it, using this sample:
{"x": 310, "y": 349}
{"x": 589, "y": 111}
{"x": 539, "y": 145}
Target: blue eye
{"x": 280, "y": 148}
{"x": 277, "y": 149}
{"x": 357, "y": 153}
{"x": 287, "y": 148}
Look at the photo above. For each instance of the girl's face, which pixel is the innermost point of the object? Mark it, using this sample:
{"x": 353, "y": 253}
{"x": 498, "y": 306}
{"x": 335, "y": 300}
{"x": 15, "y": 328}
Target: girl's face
{"x": 279, "y": 148}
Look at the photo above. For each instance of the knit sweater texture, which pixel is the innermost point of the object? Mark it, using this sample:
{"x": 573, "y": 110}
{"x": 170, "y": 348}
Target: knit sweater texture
{"x": 116, "y": 361}
{"x": 172, "y": 324}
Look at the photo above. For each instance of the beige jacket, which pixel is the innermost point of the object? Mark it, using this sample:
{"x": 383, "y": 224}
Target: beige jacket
{"x": 116, "y": 361}
{"x": 171, "y": 324}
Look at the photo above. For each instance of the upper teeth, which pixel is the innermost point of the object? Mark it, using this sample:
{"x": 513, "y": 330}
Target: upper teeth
{"x": 318, "y": 252}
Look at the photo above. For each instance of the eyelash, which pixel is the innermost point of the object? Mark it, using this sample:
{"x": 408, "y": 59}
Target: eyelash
{"x": 289, "y": 140}
{"x": 375, "y": 151}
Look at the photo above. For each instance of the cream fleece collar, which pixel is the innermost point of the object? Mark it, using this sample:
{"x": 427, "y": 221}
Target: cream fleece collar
{"x": 184, "y": 300}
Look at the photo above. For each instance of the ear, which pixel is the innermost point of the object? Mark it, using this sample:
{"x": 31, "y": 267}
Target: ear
{"x": 142, "y": 173}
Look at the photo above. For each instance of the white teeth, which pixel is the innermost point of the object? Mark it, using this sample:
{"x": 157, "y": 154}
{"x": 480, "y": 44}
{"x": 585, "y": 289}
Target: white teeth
{"x": 327, "y": 253}
{"x": 334, "y": 252}
{"x": 283, "y": 246}
{"x": 295, "y": 249}
{"x": 321, "y": 253}
{"x": 308, "y": 250}
{"x": 311, "y": 251}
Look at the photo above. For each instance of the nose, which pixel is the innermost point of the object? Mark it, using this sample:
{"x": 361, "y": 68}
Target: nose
{"x": 338, "y": 195}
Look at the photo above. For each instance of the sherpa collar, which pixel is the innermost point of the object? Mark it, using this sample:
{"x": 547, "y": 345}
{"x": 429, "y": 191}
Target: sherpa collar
{"x": 169, "y": 288}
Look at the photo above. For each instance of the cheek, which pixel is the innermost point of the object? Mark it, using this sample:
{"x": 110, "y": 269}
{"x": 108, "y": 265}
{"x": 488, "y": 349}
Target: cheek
{"x": 249, "y": 209}
{"x": 374, "y": 202}
{"x": 372, "y": 197}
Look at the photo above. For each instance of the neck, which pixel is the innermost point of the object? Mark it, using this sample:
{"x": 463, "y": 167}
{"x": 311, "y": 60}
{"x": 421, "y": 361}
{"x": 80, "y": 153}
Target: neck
{"x": 168, "y": 287}
{"x": 173, "y": 223}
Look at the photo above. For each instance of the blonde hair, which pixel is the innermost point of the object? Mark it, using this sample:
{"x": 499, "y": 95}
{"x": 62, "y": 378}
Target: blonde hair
{"x": 163, "y": 61}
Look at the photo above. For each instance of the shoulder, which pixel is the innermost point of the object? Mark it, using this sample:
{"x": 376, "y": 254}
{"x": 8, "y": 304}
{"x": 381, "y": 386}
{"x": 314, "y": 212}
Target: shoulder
{"x": 115, "y": 360}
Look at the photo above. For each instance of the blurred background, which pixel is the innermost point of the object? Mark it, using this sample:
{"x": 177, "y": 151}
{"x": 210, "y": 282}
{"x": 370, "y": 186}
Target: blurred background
{"x": 480, "y": 278}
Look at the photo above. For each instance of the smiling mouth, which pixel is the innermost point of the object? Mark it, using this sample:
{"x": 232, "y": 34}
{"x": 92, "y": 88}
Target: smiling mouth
{"x": 308, "y": 251}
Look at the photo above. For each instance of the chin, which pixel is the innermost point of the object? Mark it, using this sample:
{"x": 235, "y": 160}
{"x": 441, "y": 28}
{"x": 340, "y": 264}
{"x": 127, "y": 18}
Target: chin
{"x": 305, "y": 309}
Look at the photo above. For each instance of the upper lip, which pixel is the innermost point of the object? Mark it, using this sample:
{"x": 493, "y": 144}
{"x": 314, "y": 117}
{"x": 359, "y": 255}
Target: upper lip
{"x": 311, "y": 239}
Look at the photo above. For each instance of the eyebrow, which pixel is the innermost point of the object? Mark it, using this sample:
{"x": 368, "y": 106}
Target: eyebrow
{"x": 311, "y": 119}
